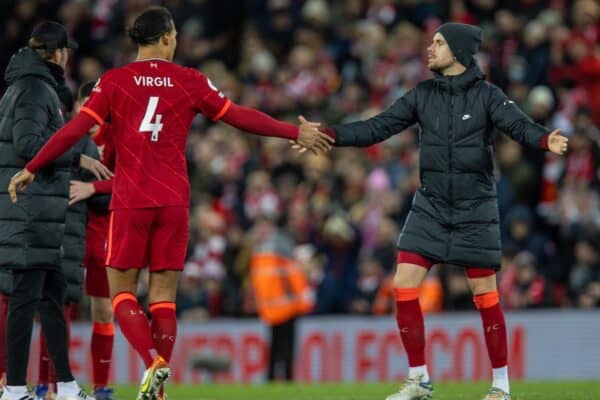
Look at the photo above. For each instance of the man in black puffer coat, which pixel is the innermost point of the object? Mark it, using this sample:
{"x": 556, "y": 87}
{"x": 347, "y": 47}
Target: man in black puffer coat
{"x": 72, "y": 258}
{"x": 74, "y": 243}
{"x": 454, "y": 215}
{"x": 32, "y": 230}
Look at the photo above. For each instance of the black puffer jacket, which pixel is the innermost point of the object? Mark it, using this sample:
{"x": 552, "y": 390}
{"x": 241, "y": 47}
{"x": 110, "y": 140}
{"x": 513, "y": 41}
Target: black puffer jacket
{"x": 75, "y": 227}
{"x": 6, "y": 281}
{"x": 31, "y": 230}
{"x": 454, "y": 216}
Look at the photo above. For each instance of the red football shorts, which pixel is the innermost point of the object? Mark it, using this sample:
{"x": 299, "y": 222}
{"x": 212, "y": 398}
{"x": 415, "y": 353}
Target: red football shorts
{"x": 154, "y": 237}
{"x": 96, "y": 281}
{"x": 407, "y": 257}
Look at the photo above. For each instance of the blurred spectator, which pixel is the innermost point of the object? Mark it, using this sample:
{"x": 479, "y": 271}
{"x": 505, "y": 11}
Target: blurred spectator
{"x": 521, "y": 236}
{"x": 516, "y": 183}
{"x": 282, "y": 293}
{"x": 457, "y": 293}
{"x": 585, "y": 276}
{"x": 369, "y": 279}
{"x": 340, "y": 242}
{"x": 521, "y": 286}
{"x": 191, "y": 297}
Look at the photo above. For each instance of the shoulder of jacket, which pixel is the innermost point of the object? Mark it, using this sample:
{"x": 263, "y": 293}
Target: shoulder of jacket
{"x": 33, "y": 90}
{"x": 487, "y": 85}
{"x": 426, "y": 84}
{"x": 487, "y": 91}
{"x": 31, "y": 83}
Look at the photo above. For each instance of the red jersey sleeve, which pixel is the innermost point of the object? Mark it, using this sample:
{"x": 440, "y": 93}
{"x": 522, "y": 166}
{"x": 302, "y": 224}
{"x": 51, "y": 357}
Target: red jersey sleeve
{"x": 97, "y": 105}
{"x": 103, "y": 186}
{"x": 61, "y": 141}
{"x": 209, "y": 100}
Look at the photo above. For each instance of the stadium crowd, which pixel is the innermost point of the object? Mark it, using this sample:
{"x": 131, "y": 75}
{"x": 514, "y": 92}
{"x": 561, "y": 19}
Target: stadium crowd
{"x": 339, "y": 61}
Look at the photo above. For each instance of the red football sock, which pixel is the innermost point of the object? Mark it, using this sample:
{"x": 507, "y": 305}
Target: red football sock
{"x": 3, "y": 350}
{"x": 494, "y": 327}
{"x": 164, "y": 328}
{"x": 410, "y": 323}
{"x": 134, "y": 325}
{"x": 103, "y": 336}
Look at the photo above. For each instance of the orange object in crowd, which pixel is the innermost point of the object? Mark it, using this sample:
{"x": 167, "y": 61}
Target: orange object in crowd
{"x": 281, "y": 288}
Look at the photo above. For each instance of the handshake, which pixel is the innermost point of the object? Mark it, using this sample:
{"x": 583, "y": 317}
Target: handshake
{"x": 311, "y": 138}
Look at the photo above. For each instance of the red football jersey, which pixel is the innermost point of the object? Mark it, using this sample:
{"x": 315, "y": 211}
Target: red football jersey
{"x": 151, "y": 104}
{"x": 97, "y": 226}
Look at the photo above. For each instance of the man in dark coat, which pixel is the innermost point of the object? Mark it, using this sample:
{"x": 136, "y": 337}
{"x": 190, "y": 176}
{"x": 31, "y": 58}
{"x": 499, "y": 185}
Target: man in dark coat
{"x": 72, "y": 258}
{"x": 454, "y": 215}
{"x": 32, "y": 231}
{"x": 87, "y": 206}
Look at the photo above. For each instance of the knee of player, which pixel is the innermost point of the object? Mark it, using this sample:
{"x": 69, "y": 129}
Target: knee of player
{"x": 104, "y": 315}
{"x": 482, "y": 281}
{"x": 102, "y": 311}
{"x": 409, "y": 276}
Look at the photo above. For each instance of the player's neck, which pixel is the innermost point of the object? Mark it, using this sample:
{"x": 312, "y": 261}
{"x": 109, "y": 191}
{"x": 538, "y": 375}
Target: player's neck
{"x": 149, "y": 53}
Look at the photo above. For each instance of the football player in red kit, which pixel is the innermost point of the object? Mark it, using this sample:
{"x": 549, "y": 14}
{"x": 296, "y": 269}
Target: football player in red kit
{"x": 151, "y": 103}
{"x": 96, "y": 280}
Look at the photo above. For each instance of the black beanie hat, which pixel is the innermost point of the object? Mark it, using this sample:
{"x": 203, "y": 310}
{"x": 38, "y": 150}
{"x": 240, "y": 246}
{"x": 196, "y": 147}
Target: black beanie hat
{"x": 463, "y": 40}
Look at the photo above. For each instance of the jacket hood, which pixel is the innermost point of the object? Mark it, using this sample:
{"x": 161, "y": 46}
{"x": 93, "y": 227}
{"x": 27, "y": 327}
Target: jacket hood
{"x": 26, "y": 62}
{"x": 462, "y": 82}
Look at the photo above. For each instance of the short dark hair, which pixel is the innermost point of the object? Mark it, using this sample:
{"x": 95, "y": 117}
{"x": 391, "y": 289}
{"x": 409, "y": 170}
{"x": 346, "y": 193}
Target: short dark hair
{"x": 150, "y": 25}
{"x": 85, "y": 90}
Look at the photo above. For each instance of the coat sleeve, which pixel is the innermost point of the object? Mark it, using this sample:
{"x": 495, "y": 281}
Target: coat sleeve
{"x": 31, "y": 120}
{"x": 508, "y": 117}
{"x": 396, "y": 118}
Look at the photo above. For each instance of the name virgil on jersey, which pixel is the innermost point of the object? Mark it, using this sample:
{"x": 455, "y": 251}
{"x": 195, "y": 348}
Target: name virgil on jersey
{"x": 153, "y": 81}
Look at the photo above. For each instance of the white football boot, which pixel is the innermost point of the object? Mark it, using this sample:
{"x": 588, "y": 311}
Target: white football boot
{"x": 496, "y": 394}
{"x": 413, "y": 389}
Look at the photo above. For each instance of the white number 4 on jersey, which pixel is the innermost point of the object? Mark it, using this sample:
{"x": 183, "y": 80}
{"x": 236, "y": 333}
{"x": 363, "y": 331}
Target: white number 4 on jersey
{"x": 147, "y": 125}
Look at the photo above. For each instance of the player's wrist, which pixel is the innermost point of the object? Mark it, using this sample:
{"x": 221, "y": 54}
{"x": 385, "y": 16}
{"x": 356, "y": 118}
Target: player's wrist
{"x": 544, "y": 142}
{"x": 94, "y": 188}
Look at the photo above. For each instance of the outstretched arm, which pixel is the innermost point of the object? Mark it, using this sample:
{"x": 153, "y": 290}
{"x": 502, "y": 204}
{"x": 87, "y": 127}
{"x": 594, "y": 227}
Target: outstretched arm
{"x": 395, "y": 119}
{"x": 259, "y": 123}
{"x": 61, "y": 141}
{"x": 507, "y": 117}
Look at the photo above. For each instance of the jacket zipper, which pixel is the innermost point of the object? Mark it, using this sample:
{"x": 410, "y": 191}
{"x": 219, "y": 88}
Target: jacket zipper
{"x": 450, "y": 190}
